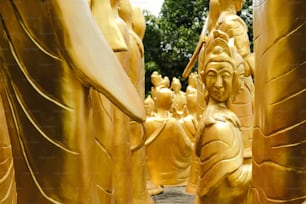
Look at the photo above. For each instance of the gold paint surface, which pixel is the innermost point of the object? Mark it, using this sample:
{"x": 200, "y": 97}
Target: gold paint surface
{"x": 53, "y": 55}
{"x": 279, "y": 141}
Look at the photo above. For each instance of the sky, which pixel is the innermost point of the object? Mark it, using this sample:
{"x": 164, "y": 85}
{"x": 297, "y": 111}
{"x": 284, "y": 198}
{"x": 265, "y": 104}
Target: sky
{"x": 151, "y": 5}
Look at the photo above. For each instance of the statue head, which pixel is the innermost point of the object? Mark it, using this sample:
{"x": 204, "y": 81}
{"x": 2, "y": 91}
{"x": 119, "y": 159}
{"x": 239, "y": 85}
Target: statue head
{"x": 176, "y": 85}
{"x": 223, "y": 67}
{"x": 164, "y": 99}
{"x": 156, "y": 78}
{"x": 165, "y": 82}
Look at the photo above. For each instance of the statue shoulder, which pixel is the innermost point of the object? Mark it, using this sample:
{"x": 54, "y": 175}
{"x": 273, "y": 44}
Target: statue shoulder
{"x": 218, "y": 129}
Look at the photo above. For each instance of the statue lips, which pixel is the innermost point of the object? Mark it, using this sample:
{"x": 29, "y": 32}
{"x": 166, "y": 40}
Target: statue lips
{"x": 218, "y": 94}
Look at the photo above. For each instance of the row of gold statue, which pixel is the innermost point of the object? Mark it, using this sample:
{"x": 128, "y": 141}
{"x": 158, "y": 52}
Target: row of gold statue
{"x": 182, "y": 102}
{"x": 169, "y": 123}
{"x": 75, "y": 128}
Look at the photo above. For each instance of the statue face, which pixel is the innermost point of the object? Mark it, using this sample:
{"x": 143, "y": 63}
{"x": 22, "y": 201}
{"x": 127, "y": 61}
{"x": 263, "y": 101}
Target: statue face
{"x": 218, "y": 80}
{"x": 238, "y": 82}
{"x": 176, "y": 86}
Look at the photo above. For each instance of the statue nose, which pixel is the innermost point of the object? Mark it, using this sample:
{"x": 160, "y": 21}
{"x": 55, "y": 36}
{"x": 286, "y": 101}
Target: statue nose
{"x": 219, "y": 82}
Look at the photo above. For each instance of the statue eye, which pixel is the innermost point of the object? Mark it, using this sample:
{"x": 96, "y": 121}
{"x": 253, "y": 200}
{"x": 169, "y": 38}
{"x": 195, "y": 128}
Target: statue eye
{"x": 211, "y": 75}
{"x": 226, "y": 75}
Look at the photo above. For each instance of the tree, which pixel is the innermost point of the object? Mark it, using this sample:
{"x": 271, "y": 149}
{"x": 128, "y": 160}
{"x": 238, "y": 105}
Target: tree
{"x": 181, "y": 23}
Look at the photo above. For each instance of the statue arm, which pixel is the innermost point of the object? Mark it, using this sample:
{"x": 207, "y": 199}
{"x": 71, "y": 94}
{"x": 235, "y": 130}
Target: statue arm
{"x": 91, "y": 57}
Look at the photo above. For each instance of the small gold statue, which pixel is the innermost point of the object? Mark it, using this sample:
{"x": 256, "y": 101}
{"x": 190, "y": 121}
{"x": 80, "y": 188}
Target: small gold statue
{"x": 171, "y": 165}
{"x": 223, "y": 177}
{"x": 158, "y": 82}
{"x": 179, "y": 106}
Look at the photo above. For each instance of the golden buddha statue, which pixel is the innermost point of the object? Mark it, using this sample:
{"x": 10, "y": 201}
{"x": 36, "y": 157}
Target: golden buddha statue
{"x": 171, "y": 165}
{"x": 179, "y": 106}
{"x": 279, "y": 146}
{"x": 223, "y": 16}
{"x": 156, "y": 79}
{"x": 223, "y": 178}
{"x": 47, "y": 97}
{"x": 158, "y": 82}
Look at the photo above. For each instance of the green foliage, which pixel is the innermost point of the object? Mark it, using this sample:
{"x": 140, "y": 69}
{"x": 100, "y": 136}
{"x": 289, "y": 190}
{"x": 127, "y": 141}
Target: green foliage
{"x": 151, "y": 42}
{"x": 247, "y": 15}
{"x": 171, "y": 38}
{"x": 181, "y": 23}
